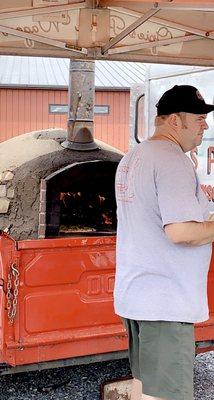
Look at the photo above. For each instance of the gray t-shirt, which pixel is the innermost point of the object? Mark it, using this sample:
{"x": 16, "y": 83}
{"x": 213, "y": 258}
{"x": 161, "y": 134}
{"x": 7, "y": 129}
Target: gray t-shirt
{"x": 156, "y": 184}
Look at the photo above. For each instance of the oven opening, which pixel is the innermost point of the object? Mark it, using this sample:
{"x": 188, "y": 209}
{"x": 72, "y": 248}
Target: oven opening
{"x": 81, "y": 200}
{"x": 87, "y": 212}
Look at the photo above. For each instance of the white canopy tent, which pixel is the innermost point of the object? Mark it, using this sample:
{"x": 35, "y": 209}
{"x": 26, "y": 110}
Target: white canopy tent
{"x": 168, "y": 31}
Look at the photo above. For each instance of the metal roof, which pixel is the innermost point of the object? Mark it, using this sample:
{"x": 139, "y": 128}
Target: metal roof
{"x": 163, "y": 70}
{"x": 54, "y": 73}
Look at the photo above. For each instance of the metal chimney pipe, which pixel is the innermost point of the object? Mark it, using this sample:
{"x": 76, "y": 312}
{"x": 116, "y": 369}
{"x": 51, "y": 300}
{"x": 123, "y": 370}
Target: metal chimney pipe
{"x": 81, "y": 106}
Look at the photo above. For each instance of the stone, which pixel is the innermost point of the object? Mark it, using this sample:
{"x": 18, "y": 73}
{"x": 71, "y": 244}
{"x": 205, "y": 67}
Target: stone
{"x": 10, "y": 193}
{"x": 4, "y": 205}
{"x": 3, "y": 190}
{"x": 41, "y": 231}
{"x": 42, "y": 218}
{"x": 8, "y": 175}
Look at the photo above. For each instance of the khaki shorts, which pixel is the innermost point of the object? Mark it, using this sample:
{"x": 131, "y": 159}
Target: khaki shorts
{"x": 161, "y": 355}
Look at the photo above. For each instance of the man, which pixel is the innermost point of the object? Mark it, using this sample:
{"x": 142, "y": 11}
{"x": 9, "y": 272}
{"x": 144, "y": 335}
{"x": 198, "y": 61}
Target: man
{"x": 164, "y": 248}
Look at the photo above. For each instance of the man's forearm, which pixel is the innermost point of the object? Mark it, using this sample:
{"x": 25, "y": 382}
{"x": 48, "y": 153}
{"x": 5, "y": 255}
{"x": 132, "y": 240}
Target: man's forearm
{"x": 191, "y": 233}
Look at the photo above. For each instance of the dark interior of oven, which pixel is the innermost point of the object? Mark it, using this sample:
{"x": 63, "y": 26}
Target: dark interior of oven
{"x": 81, "y": 200}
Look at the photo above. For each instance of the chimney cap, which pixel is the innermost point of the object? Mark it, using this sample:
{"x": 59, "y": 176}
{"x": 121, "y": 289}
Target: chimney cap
{"x": 83, "y": 141}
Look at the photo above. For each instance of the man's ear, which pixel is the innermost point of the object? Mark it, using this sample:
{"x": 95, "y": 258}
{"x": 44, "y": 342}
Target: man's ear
{"x": 174, "y": 121}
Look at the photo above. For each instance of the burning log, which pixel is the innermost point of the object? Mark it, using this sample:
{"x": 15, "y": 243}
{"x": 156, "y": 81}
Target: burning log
{"x": 84, "y": 211}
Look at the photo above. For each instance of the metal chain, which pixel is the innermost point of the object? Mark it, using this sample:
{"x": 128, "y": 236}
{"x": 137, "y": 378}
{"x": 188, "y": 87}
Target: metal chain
{"x": 12, "y": 292}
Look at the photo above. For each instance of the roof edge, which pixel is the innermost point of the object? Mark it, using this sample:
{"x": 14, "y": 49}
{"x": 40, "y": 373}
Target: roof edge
{"x": 61, "y": 87}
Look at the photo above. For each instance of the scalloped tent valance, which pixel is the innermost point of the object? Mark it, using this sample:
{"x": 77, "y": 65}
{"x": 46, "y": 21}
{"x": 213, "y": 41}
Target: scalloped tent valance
{"x": 168, "y": 31}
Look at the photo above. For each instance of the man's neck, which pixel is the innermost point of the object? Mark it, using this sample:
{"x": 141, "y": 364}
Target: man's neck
{"x": 159, "y": 134}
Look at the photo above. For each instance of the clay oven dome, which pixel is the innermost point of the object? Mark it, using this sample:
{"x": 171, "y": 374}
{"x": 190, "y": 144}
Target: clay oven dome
{"x": 34, "y": 161}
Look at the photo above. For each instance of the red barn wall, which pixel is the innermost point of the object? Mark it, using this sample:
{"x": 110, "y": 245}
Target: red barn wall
{"x": 25, "y": 110}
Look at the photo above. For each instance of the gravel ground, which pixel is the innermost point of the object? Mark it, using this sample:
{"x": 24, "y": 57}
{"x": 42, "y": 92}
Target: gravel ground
{"x": 83, "y": 382}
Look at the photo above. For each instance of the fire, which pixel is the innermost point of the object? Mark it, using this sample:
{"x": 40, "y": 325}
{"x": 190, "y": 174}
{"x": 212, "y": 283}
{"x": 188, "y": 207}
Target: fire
{"x": 101, "y": 198}
{"x": 107, "y": 220}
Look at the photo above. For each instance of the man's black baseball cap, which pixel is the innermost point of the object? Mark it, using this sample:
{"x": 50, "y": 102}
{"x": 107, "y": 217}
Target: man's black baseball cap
{"x": 183, "y": 98}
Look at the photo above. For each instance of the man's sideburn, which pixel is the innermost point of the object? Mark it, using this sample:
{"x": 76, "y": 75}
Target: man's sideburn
{"x": 159, "y": 120}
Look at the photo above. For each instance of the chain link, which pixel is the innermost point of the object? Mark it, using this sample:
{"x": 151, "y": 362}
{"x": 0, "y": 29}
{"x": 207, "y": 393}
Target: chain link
{"x": 12, "y": 292}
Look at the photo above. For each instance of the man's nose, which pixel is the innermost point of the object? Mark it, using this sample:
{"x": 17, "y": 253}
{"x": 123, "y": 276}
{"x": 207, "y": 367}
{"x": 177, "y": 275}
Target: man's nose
{"x": 206, "y": 126}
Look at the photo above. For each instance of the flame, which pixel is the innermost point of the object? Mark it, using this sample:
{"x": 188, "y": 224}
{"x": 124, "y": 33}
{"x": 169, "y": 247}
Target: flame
{"x": 107, "y": 220}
